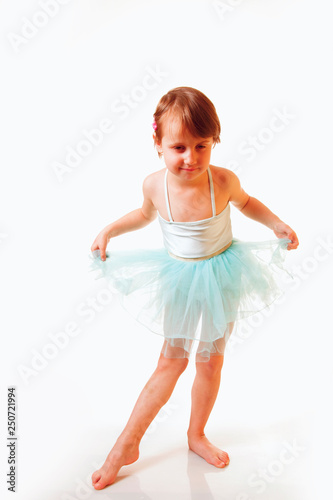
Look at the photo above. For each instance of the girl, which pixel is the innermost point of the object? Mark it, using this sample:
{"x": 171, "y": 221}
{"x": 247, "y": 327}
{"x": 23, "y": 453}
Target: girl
{"x": 204, "y": 279}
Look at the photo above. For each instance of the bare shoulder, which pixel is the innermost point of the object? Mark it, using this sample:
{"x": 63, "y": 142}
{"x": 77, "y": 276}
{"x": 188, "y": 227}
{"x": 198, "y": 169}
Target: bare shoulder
{"x": 152, "y": 180}
{"x": 151, "y": 183}
{"x": 228, "y": 180}
{"x": 223, "y": 177}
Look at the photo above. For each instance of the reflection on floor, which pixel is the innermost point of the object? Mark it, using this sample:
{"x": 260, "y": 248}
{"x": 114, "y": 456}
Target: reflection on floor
{"x": 265, "y": 463}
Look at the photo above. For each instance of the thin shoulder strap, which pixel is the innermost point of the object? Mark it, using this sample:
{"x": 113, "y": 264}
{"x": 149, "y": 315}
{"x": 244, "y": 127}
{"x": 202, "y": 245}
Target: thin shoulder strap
{"x": 212, "y": 195}
{"x": 166, "y": 195}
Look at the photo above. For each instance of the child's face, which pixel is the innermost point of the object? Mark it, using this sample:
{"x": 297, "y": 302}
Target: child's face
{"x": 184, "y": 155}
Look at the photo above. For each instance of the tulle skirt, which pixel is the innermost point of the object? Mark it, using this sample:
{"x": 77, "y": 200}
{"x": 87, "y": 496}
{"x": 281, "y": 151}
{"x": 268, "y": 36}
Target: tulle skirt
{"x": 195, "y": 301}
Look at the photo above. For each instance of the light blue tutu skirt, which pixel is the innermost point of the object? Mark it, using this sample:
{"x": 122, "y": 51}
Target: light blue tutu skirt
{"x": 195, "y": 301}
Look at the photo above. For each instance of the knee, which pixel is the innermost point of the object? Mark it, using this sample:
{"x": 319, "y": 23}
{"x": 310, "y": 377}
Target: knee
{"x": 174, "y": 365}
{"x": 211, "y": 368}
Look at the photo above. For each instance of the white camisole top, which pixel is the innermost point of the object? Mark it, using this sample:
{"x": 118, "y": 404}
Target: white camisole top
{"x": 196, "y": 239}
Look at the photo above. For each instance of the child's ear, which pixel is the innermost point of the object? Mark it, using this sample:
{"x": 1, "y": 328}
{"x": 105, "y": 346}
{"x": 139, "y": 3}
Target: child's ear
{"x": 157, "y": 144}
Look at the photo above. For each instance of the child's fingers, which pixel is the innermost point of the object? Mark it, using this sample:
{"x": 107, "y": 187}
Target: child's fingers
{"x": 94, "y": 247}
{"x": 293, "y": 237}
{"x": 294, "y": 240}
{"x": 101, "y": 247}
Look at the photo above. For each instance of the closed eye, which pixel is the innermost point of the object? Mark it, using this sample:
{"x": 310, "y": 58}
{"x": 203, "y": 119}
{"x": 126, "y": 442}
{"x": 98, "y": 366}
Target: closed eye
{"x": 182, "y": 147}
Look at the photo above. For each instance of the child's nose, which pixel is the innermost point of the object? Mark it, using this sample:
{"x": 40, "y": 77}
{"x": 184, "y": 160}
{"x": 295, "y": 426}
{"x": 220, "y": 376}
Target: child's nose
{"x": 190, "y": 157}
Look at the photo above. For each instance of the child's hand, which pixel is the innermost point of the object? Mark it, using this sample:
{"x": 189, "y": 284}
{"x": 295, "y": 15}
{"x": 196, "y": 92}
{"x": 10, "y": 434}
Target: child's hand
{"x": 100, "y": 243}
{"x": 282, "y": 230}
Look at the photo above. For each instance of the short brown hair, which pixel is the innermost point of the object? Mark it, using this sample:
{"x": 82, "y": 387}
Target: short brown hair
{"x": 195, "y": 111}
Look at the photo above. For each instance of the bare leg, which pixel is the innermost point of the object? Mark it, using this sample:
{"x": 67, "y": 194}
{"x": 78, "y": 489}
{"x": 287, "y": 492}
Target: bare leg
{"x": 154, "y": 395}
{"x": 204, "y": 392}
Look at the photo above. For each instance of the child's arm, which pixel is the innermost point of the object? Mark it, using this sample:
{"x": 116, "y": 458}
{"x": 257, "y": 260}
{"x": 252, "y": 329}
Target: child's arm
{"x": 254, "y": 209}
{"x": 132, "y": 221}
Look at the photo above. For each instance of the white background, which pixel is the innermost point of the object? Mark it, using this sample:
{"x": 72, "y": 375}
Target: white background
{"x": 250, "y": 58}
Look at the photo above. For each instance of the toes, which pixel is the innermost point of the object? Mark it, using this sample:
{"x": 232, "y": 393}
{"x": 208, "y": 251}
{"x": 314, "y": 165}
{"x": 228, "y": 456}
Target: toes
{"x": 99, "y": 486}
{"x": 223, "y": 456}
{"x": 101, "y": 479}
{"x": 218, "y": 462}
{"x": 96, "y": 476}
{"x": 98, "y": 482}
{"x": 223, "y": 459}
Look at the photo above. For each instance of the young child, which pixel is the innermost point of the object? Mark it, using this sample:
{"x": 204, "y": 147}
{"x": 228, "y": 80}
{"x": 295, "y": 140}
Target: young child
{"x": 204, "y": 279}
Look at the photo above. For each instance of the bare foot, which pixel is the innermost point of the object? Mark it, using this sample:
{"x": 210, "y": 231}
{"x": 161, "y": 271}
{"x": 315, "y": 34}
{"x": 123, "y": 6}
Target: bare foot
{"x": 124, "y": 452}
{"x": 205, "y": 449}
